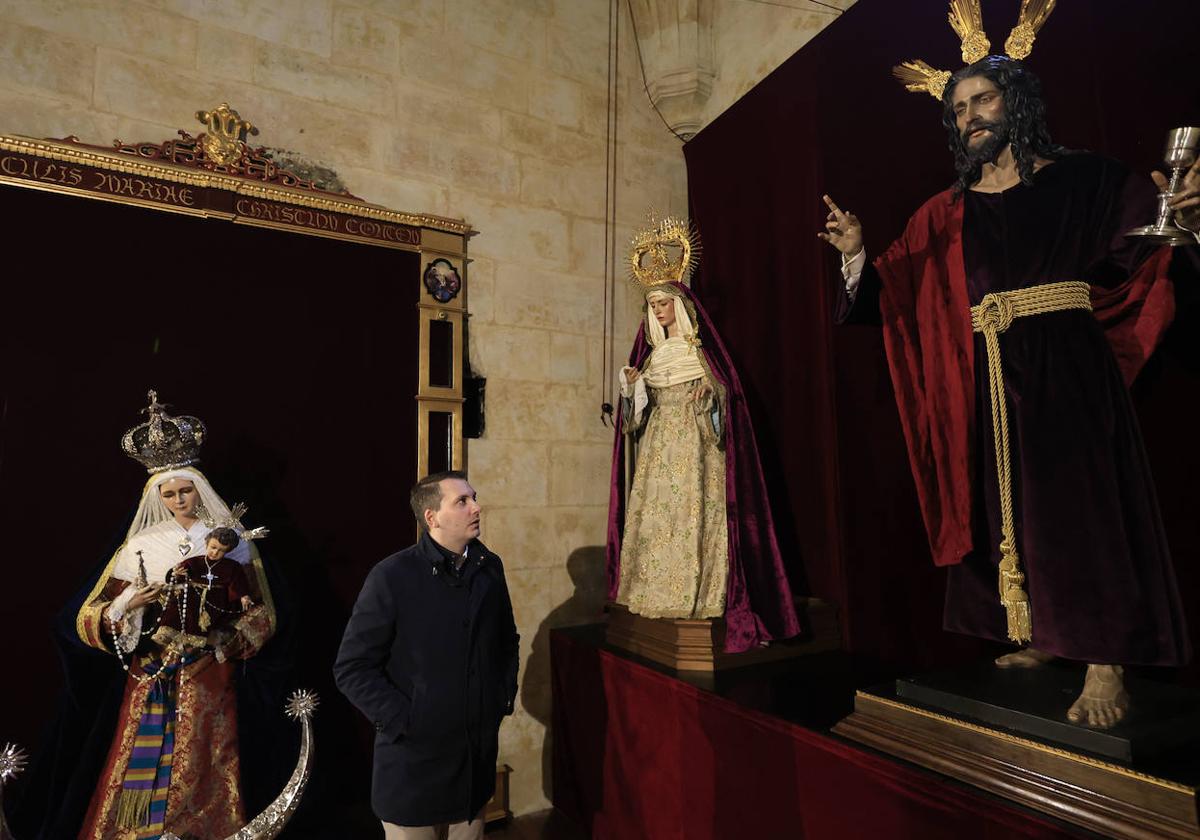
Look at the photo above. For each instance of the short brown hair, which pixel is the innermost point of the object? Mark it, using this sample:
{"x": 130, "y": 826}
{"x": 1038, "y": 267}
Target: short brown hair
{"x": 227, "y": 537}
{"x": 426, "y": 494}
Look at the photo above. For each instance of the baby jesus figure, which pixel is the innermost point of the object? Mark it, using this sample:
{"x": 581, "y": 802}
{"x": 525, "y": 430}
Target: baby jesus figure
{"x": 208, "y": 594}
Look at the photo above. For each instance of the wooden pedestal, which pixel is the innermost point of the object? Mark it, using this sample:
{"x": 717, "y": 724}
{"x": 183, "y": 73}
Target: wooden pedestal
{"x": 697, "y": 644}
{"x": 497, "y": 808}
{"x": 1101, "y": 796}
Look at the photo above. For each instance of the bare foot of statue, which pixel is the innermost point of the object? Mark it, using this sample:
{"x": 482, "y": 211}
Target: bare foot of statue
{"x": 1104, "y": 700}
{"x": 1025, "y": 658}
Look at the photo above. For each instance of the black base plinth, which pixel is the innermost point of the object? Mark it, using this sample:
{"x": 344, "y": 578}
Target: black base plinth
{"x": 1034, "y": 702}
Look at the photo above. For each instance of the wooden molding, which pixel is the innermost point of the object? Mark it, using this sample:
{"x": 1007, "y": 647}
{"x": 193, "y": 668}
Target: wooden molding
{"x": 697, "y": 644}
{"x": 1095, "y": 794}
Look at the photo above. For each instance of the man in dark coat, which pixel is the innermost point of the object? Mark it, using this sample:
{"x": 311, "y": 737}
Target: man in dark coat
{"x": 430, "y": 657}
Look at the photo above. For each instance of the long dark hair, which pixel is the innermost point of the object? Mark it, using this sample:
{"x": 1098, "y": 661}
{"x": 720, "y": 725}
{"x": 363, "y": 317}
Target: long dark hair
{"x": 1024, "y": 110}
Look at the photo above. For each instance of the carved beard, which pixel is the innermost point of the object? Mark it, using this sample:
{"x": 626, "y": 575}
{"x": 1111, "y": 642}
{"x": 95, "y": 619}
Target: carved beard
{"x": 989, "y": 149}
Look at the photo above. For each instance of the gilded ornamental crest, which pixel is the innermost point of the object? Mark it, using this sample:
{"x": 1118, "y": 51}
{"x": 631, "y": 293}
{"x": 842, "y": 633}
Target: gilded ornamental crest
{"x": 225, "y": 140}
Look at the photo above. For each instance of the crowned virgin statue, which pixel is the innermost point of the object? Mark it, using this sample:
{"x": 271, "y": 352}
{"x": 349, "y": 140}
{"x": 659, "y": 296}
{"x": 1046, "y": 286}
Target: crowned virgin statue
{"x": 678, "y": 544}
{"x": 172, "y": 763}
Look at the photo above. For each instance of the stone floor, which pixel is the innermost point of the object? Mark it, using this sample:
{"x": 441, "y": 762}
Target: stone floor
{"x": 544, "y": 825}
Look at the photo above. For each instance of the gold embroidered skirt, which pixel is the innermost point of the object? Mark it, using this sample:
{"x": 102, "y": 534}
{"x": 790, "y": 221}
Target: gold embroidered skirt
{"x": 675, "y": 551}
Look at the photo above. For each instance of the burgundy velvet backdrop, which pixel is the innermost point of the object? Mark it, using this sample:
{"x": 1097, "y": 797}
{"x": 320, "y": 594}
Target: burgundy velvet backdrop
{"x": 832, "y": 119}
{"x": 299, "y": 354}
{"x": 721, "y": 770}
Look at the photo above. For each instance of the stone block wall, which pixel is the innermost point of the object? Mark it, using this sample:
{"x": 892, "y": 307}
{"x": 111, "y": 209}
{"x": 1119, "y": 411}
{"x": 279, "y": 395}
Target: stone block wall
{"x": 753, "y": 37}
{"x": 490, "y": 110}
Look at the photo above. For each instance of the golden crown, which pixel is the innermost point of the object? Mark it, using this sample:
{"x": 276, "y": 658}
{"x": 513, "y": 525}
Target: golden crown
{"x": 651, "y": 261}
{"x": 164, "y": 442}
{"x": 966, "y": 19}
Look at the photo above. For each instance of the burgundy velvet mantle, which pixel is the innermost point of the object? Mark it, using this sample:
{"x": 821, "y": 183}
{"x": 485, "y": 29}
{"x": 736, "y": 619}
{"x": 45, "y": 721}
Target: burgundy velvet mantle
{"x": 930, "y": 351}
{"x": 758, "y": 598}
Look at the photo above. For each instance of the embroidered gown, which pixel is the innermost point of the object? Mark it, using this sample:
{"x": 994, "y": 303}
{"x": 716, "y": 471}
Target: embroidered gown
{"x": 203, "y": 798}
{"x": 675, "y": 551}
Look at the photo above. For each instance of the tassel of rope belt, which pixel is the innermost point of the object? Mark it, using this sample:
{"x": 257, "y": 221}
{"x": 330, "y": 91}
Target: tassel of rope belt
{"x": 992, "y": 316}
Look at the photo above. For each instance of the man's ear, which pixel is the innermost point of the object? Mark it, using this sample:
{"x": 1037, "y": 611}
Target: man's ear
{"x": 430, "y": 519}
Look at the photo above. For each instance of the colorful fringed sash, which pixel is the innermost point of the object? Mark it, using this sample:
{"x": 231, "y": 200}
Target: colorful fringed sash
{"x": 143, "y": 803}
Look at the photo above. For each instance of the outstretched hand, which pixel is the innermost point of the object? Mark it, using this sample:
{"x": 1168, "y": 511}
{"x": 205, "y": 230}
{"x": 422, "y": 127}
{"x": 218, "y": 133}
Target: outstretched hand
{"x": 1186, "y": 201}
{"x": 842, "y": 229}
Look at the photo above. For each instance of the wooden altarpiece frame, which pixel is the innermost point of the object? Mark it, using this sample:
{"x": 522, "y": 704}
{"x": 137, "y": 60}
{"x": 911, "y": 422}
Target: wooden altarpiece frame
{"x": 216, "y": 175}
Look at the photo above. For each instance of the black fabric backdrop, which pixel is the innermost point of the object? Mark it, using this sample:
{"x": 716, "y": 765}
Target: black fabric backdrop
{"x": 832, "y": 119}
{"x": 299, "y": 354}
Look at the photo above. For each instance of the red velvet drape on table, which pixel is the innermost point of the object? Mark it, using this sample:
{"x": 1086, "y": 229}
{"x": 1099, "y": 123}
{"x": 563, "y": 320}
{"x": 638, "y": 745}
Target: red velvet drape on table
{"x": 709, "y": 768}
{"x": 832, "y": 119}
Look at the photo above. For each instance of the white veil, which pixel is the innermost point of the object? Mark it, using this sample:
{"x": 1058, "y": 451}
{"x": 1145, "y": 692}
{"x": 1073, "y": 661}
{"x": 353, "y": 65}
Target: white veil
{"x": 674, "y": 359}
{"x": 152, "y": 510}
{"x": 655, "y": 334}
{"x": 150, "y": 529}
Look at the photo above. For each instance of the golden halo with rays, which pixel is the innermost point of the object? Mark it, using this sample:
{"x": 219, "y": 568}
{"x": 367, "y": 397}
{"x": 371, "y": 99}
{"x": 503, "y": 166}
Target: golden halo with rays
{"x": 966, "y": 19}
{"x": 651, "y": 261}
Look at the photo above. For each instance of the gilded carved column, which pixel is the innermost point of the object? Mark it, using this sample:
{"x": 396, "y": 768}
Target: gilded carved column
{"x": 676, "y": 41}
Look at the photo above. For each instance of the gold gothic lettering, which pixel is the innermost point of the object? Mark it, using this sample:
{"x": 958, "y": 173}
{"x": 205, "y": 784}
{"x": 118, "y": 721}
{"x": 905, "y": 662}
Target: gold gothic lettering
{"x": 283, "y": 214}
{"x": 41, "y": 170}
{"x": 128, "y": 185}
{"x": 375, "y": 230}
{"x": 317, "y": 220}
{"x": 153, "y": 190}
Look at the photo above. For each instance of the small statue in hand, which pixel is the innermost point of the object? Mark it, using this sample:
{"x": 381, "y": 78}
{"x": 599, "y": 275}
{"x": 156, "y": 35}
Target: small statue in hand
{"x": 211, "y": 592}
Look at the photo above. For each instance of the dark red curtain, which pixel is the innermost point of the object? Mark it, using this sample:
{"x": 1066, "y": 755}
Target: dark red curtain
{"x": 832, "y": 119}
{"x": 638, "y": 753}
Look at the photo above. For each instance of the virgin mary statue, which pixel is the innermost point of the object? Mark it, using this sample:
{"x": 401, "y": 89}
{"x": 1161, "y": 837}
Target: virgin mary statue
{"x": 690, "y": 531}
{"x": 172, "y": 763}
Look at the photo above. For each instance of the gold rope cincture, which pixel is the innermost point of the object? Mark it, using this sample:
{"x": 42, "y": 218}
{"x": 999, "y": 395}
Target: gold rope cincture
{"x": 994, "y": 315}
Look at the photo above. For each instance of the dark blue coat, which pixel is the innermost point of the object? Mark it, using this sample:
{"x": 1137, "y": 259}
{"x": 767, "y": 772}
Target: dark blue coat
{"x": 431, "y": 660}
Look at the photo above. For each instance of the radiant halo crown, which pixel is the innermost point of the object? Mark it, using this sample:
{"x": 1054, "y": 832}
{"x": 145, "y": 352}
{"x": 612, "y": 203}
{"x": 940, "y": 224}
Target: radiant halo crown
{"x": 966, "y": 19}
{"x": 651, "y": 261}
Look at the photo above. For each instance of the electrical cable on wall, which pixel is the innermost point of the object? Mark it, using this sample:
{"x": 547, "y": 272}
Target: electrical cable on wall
{"x": 607, "y": 364}
{"x": 837, "y": 9}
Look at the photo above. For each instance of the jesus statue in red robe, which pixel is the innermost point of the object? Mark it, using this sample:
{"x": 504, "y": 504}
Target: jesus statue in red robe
{"x": 1015, "y": 313}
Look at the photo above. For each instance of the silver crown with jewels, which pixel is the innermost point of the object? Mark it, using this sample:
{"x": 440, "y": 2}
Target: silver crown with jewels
{"x": 164, "y": 442}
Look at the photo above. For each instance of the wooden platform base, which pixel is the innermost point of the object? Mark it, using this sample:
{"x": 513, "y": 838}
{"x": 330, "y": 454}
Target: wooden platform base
{"x": 497, "y": 809}
{"x": 1101, "y": 796}
{"x": 697, "y": 644}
